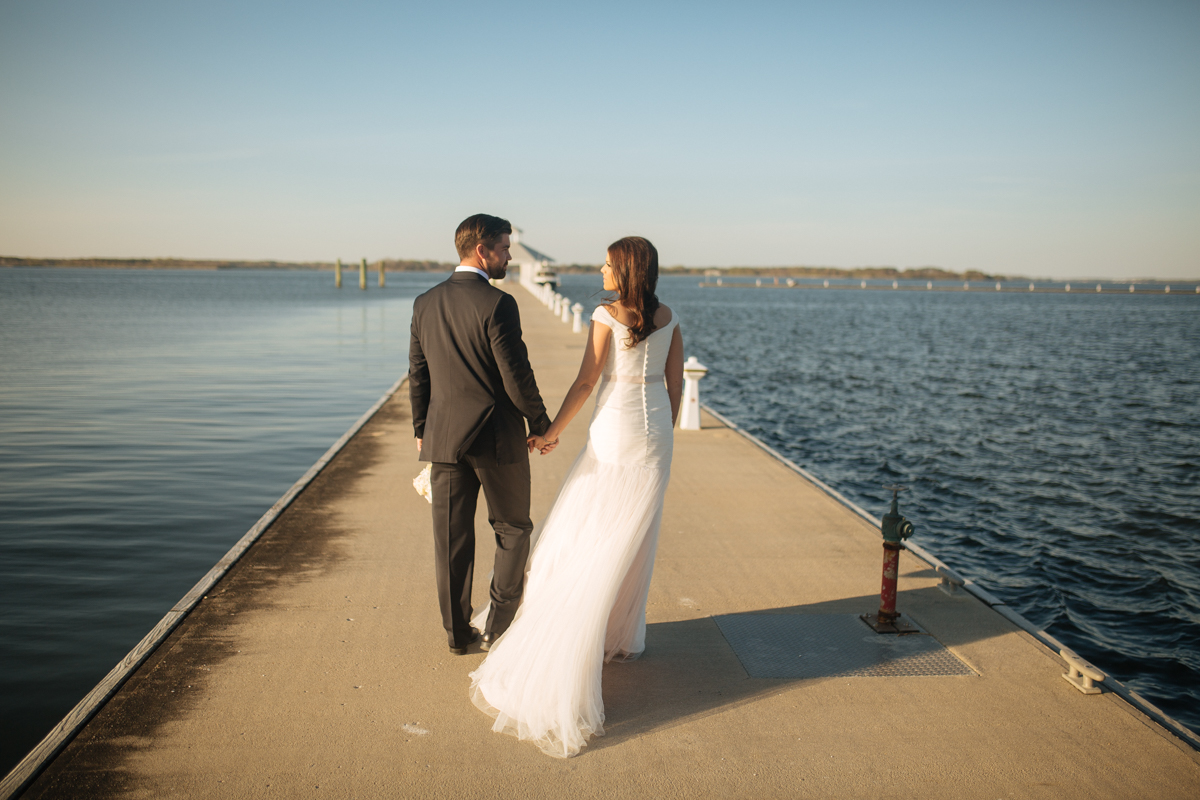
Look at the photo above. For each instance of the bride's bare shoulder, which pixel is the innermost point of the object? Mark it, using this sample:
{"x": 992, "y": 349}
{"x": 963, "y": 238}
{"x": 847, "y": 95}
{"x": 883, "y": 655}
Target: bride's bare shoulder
{"x": 662, "y": 316}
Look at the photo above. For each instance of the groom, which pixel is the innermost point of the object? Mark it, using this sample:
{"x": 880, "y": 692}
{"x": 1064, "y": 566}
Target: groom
{"x": 472, "y": 389}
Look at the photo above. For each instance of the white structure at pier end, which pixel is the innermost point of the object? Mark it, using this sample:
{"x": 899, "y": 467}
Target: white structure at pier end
{"x": 533, "y": 267}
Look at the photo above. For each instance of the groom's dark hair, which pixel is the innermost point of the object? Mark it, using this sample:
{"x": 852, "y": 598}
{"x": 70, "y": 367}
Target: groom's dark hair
{"x": 479, "y": 229}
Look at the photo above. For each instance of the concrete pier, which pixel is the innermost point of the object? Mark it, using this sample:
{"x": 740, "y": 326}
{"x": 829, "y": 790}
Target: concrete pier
{"x": 317, "y": 666}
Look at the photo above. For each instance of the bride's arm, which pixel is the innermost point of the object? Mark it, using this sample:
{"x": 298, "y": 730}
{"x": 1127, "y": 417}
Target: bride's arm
{"x": 595, "y": 353}
{"x": 674, "y": 372}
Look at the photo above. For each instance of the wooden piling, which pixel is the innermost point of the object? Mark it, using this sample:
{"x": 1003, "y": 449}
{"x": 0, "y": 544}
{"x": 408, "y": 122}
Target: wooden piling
{"x": 362, "y": 274}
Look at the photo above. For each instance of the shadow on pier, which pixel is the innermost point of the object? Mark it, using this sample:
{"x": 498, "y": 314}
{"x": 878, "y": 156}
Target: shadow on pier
{"x": 690, "y": 670}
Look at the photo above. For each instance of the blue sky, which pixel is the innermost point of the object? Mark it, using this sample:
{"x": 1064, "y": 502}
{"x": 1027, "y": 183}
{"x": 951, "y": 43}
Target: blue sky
{"x": 1043, "y": 138}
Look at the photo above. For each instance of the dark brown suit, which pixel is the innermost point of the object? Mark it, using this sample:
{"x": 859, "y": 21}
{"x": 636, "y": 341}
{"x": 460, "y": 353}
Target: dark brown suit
{"x": 472, "y": 389}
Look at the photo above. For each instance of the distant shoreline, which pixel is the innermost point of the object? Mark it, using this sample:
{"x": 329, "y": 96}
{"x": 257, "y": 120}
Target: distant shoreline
{"x": 402, "y": 265}
{"x": 392, "y": 265}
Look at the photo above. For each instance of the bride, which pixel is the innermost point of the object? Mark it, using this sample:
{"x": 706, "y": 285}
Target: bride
{"x": 589, "y": 575}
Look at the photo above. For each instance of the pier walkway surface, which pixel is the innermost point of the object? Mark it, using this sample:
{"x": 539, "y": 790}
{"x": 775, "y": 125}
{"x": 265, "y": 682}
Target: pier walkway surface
{"x": 317, "y": 667}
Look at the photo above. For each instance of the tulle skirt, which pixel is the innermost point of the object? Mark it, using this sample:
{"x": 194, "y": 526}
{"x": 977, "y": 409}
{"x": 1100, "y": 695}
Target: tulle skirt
{"x": 584, "y": 605}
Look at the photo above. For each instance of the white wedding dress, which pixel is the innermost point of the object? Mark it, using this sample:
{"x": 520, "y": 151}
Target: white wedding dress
{"x": 589, "y": 573}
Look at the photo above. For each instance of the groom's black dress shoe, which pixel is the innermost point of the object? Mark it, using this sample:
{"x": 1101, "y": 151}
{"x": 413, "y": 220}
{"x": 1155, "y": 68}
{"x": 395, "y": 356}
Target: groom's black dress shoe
{"x": 489, "y": 638}
{"x": 461, "y": 649}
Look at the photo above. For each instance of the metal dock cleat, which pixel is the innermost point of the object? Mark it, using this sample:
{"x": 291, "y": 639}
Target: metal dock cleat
{"x": 1081, "y": 673}
{"x": 951, "y": 582}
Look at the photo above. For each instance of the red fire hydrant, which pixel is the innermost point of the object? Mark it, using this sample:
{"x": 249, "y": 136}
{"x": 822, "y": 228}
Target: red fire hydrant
{"x": 895, "y": 530}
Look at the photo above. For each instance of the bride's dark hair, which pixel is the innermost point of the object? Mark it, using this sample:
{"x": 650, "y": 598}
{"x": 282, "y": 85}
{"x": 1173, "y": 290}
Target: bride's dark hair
{"x": 635, "y": 270}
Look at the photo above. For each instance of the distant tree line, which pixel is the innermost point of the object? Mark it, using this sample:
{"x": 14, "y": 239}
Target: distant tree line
{"x": 391, "y": 265}
{"x": 409, "y": 265}
{"x": 913, "y": 273}
{"x": 399, "y": 265}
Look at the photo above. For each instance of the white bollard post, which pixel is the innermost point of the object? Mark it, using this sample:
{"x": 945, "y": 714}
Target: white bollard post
{"x": 566, "y": 310}
{"x": 557, "y": 303}
{"x": 689, "y": 415}
{"x": 577, "y": 324}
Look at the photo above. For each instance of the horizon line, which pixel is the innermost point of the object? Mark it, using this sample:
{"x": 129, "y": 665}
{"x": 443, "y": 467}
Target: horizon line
{"x": 234, "y": 263}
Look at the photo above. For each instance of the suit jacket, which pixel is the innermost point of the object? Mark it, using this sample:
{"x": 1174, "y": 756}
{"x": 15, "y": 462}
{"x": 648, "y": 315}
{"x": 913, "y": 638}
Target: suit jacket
{"x": 469, "y": 376}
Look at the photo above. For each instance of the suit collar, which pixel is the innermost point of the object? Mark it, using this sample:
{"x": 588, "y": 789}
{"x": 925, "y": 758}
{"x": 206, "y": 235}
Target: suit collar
{"x": 469, "y": 270}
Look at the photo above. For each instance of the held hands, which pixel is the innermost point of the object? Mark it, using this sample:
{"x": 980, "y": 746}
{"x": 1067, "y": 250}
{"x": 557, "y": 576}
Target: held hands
{"x": 541, "y": 444}
{"x": 534, "y": 442}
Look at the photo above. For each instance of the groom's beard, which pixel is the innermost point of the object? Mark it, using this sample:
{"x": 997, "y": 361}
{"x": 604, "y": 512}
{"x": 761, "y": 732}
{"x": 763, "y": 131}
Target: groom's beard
{"x": 496, "y": 273}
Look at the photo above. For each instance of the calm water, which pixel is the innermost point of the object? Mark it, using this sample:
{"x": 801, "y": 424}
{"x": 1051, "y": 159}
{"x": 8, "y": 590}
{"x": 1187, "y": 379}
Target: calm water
{"x": 147, "y": 419}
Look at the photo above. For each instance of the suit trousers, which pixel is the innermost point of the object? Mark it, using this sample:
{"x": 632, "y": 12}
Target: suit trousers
{"x": 455, "y": 497}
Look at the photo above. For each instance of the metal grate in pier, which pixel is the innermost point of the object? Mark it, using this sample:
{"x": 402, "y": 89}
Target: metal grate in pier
{"x": 832, "y": 646}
